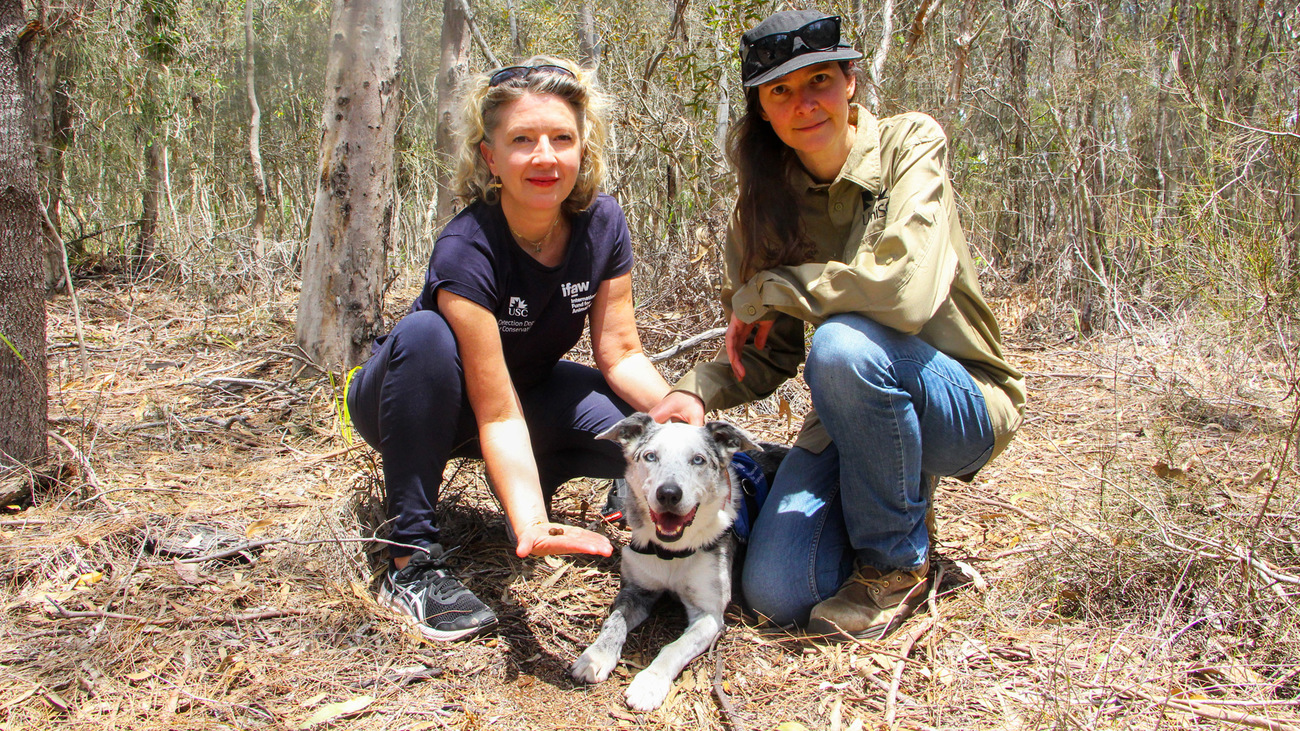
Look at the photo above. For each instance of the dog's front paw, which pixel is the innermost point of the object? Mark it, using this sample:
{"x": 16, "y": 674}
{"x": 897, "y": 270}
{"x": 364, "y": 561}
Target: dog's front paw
{"x": 593, "y": 666}
{"x": 647, "y": 691}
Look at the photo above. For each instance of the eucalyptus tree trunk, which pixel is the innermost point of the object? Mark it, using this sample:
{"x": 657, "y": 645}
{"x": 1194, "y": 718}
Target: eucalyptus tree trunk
{"x": 339, "y": 309}
{"x": 454, "y": 66}
{"x": 588, "y": 56}
{"x": 1009, "y": 231}
{"x": 882, "y": 54}
{"x": 53, "y": 69}
{"x": 150, "y": 132}
{"x": 722, "y": 111}
{"x": 23, "y": 399}
{"x": 516, "y": 40}
{"x": 254, "y": 133}
{"x": 965, "y": 36}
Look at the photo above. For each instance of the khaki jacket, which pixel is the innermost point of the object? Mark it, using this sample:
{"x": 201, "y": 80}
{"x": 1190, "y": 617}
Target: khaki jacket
{"x": 889, "y": 246}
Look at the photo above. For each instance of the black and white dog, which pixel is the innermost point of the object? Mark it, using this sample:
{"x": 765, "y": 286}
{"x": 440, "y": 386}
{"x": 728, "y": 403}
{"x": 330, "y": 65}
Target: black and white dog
{"x": 680, "y": 498}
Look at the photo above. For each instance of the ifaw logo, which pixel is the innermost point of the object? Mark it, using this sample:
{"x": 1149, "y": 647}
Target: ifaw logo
{"x": 568, "y": 289}
{"x": 518, "y": 307}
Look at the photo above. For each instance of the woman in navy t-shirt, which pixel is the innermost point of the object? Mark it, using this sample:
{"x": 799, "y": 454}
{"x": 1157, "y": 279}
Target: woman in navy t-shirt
{"x": 477, "y": 368}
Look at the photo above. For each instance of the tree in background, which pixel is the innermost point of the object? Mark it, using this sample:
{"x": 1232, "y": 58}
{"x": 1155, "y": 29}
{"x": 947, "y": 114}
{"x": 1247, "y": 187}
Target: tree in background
{"x": 158, "y": 40}
{"x": 254, "y": 133}
{"x": 23, "y": 400}
{"x": 352, "y": 223}
{"x": 454, "y": 66}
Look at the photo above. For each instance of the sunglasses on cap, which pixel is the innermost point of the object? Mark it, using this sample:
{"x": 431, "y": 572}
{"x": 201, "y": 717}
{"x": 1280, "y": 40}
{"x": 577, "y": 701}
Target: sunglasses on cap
{"x": 509, "y": 73}
{"x": 763, "y": 54}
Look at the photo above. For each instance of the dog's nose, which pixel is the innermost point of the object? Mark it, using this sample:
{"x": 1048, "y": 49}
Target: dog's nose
{"x": 669, "y": 494}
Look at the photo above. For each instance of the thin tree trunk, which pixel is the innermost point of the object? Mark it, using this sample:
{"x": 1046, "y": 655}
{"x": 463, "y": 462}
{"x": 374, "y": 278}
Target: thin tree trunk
{"x": 882, "y": 54}
{"x": 1008, "y": 232}
{"x": 587, "y": 54}
{"x": 454, "y": 66}
{"x": 478, "y": 37}
{"x": 915, "y": 32}
{"x": 516, "y": 40}
{"x": 148, "y": 241}
{"x": 339, "y": 309}
{"x": 23, "y": 399}
{"x": 676, "y": 29}
{"x": 44, "y": 82}
{"x": 254, "y": 133}
{"x": 722, "y": 112}
{"x": 965, "y": 36}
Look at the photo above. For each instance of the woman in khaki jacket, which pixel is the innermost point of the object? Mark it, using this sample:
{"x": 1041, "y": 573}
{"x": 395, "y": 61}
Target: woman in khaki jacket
{"x": 847, "y": 224}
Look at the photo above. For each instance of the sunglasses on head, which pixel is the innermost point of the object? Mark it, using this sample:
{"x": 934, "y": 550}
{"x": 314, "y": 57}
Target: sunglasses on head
{"x": 768, "y": 52}
{"x": 501, "y": 76}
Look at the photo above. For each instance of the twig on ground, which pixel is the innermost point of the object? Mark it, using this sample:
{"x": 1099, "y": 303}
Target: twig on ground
{"x": 891, "y": 700}
{"x": 687, "y": 344}
{"x": 88, "y": 472}
{"x": 179, "y": 621}
{"x": 336, "y": 453}
{"x": 1187, "y": 705}
{"x": 724, "y": 700}
{"x": 242, "y": 548}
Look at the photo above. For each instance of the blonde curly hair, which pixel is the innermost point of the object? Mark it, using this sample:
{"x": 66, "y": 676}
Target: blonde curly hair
{"x": 480, "y": 114}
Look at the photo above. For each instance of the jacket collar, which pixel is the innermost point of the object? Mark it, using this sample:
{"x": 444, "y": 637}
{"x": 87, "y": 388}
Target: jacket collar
{"x": 863, "y": 164}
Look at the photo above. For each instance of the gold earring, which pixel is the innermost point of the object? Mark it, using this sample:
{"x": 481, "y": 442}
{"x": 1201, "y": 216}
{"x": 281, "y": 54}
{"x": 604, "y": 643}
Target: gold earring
{"x": 494, "y": 183}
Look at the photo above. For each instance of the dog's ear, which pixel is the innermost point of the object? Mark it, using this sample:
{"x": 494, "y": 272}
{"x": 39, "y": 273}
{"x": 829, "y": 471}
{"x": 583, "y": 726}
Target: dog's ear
{"x": 730, "y": 437}
{"x": 630, "y": 430}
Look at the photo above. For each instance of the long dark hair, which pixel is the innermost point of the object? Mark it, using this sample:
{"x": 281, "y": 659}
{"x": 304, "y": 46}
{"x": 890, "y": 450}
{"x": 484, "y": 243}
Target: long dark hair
{"x": 765, "y": 221}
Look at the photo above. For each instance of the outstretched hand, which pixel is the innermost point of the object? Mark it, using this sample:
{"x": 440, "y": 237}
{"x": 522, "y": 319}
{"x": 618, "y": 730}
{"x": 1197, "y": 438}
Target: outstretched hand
{"x": 737, "y": 333}
{"x": 546, "y": 539}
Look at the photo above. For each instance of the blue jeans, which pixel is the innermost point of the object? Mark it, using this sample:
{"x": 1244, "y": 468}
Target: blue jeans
{"x": 898, "y": 412}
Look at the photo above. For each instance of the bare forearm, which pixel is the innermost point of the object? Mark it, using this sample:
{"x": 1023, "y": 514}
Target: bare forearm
{"x": 636, "y": 380}
{"x": 512, "y": 472}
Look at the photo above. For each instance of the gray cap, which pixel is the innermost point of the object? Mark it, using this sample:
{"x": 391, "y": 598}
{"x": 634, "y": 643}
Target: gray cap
{"x": 771, "y": 59}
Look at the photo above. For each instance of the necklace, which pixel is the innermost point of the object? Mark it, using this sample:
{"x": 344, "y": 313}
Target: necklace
{"x": 537, "y": 245}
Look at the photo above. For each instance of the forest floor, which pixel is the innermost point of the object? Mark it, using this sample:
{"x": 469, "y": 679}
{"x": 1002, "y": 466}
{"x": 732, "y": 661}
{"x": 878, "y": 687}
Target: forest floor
{"x": 1132, "y": 561}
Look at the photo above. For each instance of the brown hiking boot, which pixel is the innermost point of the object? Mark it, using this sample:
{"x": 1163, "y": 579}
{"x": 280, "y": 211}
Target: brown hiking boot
{"x": 870, "y": 604}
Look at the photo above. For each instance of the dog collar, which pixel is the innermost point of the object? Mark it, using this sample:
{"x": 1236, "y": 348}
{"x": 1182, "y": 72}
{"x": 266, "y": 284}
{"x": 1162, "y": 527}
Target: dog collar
{"x": 654, "y": 549}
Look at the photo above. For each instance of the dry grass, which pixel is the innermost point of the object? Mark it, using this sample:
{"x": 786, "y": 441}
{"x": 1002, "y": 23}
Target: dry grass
{"x": 1131, "y": 573}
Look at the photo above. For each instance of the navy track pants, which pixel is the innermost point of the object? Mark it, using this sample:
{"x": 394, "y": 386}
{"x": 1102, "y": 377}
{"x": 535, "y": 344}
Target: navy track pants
{"x": 409, "y": 403}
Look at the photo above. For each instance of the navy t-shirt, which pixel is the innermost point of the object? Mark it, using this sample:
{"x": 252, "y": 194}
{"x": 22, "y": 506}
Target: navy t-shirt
{"x": 541, "y": 311}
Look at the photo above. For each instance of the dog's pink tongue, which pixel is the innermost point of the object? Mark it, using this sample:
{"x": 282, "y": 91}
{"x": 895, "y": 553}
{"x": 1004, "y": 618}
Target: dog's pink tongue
{"x": 672, "y": 523}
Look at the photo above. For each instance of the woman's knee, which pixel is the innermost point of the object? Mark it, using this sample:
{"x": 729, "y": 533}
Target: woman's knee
{"x": 772, "y": 593}
{"x": 848, "y": 347}
{"x": 425, "y": 340}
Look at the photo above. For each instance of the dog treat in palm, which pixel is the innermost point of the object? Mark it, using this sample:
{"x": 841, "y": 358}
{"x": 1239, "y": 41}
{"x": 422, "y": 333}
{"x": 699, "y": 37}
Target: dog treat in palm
{"x": 557, "y": 531}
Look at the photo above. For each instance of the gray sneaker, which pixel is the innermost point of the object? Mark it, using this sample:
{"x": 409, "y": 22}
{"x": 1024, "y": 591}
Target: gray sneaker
{"x": 871, "y": 603}
{"x": 440, "y": 606}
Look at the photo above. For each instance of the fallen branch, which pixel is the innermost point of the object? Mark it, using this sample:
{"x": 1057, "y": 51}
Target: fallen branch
{"x": 88, "y": 472}
{"x": 687, "y": 344}
{"x": 1187, "y": 705}
{"x": 724, "y": 700}
{"x": 180, "y": 621}
{"x": 245, "y": 547}
{"x": 891, "y": 701}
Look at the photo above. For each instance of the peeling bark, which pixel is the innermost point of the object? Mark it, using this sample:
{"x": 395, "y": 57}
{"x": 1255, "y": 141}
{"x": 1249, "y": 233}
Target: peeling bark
{"x": 339, "y": 309}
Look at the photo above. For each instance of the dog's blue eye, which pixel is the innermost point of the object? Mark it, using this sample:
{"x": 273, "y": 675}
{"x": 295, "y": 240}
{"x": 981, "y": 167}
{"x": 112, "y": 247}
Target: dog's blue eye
{"x": 650, "y": 457}
{"x": 697, "y": 460}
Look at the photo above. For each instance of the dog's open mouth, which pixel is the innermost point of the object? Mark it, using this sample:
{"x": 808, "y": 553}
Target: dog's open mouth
{"x": 670, "y": 526}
